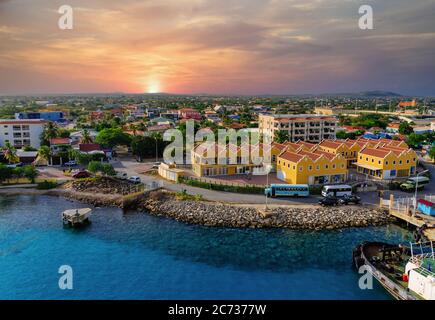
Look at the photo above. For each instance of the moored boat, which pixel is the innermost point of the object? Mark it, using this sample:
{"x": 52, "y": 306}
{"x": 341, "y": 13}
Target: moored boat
{"x": 76, "y": 217}
{"x": 405, "y": 272}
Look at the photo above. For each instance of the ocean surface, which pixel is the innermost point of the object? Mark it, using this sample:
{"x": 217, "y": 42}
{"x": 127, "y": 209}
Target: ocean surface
{"x": 137, "y": 256}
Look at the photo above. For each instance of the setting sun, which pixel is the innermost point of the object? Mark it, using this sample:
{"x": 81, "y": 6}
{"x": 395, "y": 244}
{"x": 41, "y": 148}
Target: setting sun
{"x": 153, "y": 87}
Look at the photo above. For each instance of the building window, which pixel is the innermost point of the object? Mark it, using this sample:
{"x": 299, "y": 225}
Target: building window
{"x": 310, "y": 168}
{"x": 407, "y": 161}
{"x": 300, "y": 169}
{"x": 379, "y": 161}
{"x": 394, "y": 162}
{"x": 386, "y": 163}
{"x": 16, "y": 128}
{"x": 25, "y": 127}
{"x": 400, "y": 162}
{"x": 317, "y": 167}
{"x": 326, "y": 166}
{"x": 333, "y": 166}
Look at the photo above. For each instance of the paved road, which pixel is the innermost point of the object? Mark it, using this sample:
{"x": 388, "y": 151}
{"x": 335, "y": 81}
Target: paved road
{"x": 132, "y": 167}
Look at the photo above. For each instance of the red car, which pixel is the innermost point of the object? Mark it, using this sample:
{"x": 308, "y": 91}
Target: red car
{"x": 81, "y": 174}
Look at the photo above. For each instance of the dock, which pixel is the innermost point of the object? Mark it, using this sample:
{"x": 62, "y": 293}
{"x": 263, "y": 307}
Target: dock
{"x": 403, "y": 209}
{"x": 76, "y": 217}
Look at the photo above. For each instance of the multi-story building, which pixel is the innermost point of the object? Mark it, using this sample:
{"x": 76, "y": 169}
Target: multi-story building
{"x": 20, "y": 133}
{"x": 304, "y": 127}
{"x": 315, "y": 167}
{"x": 56, "y": 116}
{"x": 219, "y": 162}
{"x": 387, "y": 162}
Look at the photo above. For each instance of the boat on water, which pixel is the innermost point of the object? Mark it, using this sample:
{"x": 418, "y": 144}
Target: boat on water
{"x": 76, "y": 217}
{"x": 406, "y": 272}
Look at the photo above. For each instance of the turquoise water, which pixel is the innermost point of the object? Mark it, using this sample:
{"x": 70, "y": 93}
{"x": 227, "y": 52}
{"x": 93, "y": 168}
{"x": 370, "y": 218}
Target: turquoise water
{"x": 137, "y": 256}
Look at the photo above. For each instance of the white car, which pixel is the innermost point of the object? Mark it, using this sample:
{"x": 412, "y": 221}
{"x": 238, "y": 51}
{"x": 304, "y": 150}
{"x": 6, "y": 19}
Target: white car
{"x": 134, "y": 179}
{"x": 121, "y": 175}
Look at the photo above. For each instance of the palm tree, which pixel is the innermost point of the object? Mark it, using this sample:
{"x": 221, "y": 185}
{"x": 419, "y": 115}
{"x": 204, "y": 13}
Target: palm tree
{"x": 44, "y": 153}
{"x": 10, "y": 153}
{"x": 50, "y": 131}
{"x": 86, "y": 136}
{"x": 133, "y": 127}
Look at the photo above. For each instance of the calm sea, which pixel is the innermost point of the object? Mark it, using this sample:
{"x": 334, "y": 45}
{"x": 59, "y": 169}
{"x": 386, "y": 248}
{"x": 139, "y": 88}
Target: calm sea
{"x": 137, "y": 256}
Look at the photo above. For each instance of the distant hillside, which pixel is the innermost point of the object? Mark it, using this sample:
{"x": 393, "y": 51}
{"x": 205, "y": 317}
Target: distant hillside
{"x": 378, "y": 93}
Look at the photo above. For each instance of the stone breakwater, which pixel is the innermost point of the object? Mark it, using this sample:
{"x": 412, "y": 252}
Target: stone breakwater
{"x": 224, "y": 215}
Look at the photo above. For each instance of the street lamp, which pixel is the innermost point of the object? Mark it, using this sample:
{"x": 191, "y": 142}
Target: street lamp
{"x": 415, "y": 194}
{"x": 268, "y": 168}
{"x": 155, "y": 138}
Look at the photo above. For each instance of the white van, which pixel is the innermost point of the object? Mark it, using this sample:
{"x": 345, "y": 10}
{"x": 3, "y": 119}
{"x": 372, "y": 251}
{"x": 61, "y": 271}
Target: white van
{"x": 339, "y": 190}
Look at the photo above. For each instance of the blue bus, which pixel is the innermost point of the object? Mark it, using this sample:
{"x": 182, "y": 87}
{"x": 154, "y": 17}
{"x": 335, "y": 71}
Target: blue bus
{"x": 287, "y": 190}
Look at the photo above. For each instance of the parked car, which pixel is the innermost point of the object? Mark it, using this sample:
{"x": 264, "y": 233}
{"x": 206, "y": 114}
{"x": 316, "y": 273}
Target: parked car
{"x": 15, "y": 165}
{"x": 134, "y": 179}
{"x": 121, "y": 175}
{"x": 329, "y": 201}
{"x": 350, "y": 199}
{"x": 81, "y": 174}
{"x": 71, "y": 163}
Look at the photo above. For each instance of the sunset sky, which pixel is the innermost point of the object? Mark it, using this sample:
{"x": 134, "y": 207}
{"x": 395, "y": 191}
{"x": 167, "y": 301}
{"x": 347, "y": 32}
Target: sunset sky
{"x": 217, "y": 47}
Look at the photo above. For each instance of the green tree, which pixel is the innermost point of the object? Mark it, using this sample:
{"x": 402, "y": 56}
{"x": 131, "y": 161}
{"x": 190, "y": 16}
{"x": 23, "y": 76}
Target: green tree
{"x": 108, "y": 169}
{"x": 405, "y": 128}
{"x": 142, "y": 146}
{"x": 44, "y": 152}
{"x": 95, "y": 166}
{"x": 113, "y": 137}
{"x": 30, "y": 173}
{"x": 432, "y": 153}
{"x": 5, "y": 173}
{"x": 49, "y": 132}
{"x": 86, "y": 136}
{"x": 29, "y": 148}
{"x": 10, "y": 153}
{"x": 281, "y": 136}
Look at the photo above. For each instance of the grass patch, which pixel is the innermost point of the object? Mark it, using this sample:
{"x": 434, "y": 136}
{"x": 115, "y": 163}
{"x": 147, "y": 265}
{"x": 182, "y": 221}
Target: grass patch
{"x": 183, "y": 195}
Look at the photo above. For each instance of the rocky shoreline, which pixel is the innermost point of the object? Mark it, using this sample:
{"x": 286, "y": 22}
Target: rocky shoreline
{"x": 223, "y": 215}
{"x": 165, "y": 203}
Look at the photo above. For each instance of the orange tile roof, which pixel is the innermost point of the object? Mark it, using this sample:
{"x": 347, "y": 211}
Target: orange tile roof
{"x": 330, "y": 144}
{"x": 291, "y": 156}
{"x": 326, "y": 154}
{"x": 60, "y": 141}
{"x": 311, "y": 155}
{"x": 375, "y": 152}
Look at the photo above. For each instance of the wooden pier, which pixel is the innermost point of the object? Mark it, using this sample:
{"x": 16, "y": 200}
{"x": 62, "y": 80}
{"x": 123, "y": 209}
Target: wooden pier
{"x": 76, "y": 217}
{"x": 418, "y": 219}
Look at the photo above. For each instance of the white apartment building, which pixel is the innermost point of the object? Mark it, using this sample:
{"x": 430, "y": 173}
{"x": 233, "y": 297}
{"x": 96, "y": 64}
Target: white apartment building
{"x": 304, "y": 127}
{"x": 20, "y": 133}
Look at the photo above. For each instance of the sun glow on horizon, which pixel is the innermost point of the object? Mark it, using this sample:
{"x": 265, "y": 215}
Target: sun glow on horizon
{"x": 153, "y": 87}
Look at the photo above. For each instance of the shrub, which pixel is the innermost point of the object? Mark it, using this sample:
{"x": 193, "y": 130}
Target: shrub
{"x": 238, "y": 189}
{"x": 46, "y": 185}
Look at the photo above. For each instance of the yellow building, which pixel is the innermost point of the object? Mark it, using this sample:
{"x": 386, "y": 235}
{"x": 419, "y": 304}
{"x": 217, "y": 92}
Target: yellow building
{"x": 316, "y": 167}
{"x": 206, "y": 164}
{"x": 387, "y": 162}
{"x": 350, "y": 148}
